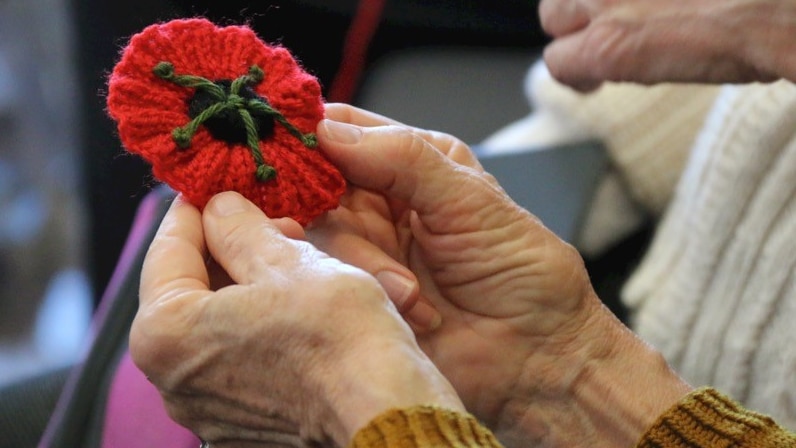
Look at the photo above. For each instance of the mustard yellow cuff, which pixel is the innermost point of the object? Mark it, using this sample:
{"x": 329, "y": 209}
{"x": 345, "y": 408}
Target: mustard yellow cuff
{"x": 424, "y": 426}
{"x": 705, "y": 418}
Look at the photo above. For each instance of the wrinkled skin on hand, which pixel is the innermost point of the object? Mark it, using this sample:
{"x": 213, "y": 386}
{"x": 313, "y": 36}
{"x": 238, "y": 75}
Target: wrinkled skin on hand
{"x": 514, "y": 298}
{"x": 255, "y": 338}
{"x": 702, "y": 41}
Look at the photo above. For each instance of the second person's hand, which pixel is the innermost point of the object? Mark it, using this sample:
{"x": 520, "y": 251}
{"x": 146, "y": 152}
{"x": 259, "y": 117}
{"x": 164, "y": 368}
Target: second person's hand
{"x": 703, "y": 41}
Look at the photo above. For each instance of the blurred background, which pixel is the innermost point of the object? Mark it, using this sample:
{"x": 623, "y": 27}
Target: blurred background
{"x": 68, "y": 192}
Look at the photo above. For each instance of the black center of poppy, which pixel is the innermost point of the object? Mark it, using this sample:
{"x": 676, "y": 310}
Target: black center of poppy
{"x": 228, "y": 125}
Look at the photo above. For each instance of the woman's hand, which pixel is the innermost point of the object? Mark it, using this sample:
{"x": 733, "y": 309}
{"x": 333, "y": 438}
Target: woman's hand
{"x": 512, "y": 296}
{"x": 521, "y": 328}
{"x": 254, "y": 337}
{"x": 703, "y": 41}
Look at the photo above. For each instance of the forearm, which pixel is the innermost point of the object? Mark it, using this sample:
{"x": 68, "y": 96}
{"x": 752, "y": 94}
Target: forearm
{"x": 634, "y": 399}
{"x": 393, "y": 377}
{"x": 702, "y": 418}
{"x": 613, "y": 389}
{"x": 625, "y": 392}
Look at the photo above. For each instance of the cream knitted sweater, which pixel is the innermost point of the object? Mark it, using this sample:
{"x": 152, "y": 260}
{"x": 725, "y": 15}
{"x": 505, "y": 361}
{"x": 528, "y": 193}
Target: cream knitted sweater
{"x": 716, "y": 292}
{"x": 648, "y": 143}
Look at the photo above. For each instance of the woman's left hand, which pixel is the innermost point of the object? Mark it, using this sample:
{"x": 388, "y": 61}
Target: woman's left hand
{"x": 254, "y": 337}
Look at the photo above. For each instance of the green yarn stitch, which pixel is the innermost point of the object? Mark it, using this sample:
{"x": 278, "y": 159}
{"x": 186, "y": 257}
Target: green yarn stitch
{"x": 233, "y": 101}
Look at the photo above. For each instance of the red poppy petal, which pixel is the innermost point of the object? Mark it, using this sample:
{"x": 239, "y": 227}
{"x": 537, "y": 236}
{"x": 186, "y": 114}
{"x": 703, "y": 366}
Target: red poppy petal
{"x": 191, "y": 175}
{"x": 148, "y": 108}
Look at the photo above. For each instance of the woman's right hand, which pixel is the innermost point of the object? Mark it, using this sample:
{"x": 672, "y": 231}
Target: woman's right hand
{"x": 522, "y": 330}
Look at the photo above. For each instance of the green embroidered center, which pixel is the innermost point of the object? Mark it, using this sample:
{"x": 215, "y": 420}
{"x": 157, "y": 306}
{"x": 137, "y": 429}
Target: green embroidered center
{"x": 231, "y": 111}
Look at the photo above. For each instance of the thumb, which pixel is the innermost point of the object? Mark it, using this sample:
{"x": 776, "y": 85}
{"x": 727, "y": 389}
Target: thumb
{"x": 244, "y": 241}
{"x": 401, "y": 163}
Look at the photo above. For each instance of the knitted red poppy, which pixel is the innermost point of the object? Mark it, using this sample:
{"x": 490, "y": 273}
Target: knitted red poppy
{"x": 214, "y": 109}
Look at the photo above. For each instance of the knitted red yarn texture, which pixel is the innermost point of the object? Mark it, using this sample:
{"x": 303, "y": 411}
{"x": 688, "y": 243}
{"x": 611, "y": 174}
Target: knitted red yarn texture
{"x": 147, "y": 109}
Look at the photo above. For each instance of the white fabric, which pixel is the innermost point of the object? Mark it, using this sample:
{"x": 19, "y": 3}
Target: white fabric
{"x": 716, "y": 292}
{"x": 647, "y": 132}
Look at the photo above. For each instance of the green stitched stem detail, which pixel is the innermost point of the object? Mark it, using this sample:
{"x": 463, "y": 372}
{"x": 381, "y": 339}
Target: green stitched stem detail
{"x": 233, "y": 101}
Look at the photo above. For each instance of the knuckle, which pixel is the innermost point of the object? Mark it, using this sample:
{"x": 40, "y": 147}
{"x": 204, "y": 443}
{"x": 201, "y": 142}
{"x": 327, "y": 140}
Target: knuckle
{"x": 409, "y": 144}
{"x": 350, "y": 288}
{"x": 416, "y": 145}
{"x": 606, "y": 46}
{"x": 236, "y": 238}
{"x": 250, "y": 245}
{"x": 158, "y": 339}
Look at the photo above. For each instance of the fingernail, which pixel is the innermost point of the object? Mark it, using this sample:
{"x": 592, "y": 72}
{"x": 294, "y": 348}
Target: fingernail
{"x": 398, "y": 287}
{"x": 228, "y": 203}
{"x": 342, "y": 132}
{"x": 424, "y": 316}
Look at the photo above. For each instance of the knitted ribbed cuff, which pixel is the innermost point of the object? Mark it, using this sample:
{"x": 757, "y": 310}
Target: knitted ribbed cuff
{"x": 707, "y": 419}
{"x": 424, "y": 426}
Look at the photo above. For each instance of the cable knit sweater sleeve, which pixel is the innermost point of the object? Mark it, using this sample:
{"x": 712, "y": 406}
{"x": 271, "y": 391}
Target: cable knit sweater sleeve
{"x": 704, "y": 418}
